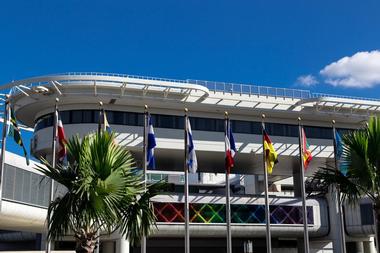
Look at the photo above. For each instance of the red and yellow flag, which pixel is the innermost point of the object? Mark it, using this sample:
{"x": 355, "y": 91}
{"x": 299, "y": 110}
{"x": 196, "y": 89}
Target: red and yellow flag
{"x": 306, "y": 152}
{"x": 270, "y": 153}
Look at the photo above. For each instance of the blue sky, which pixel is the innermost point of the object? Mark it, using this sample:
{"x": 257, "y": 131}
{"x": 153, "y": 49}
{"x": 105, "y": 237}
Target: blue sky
{"x": 265, "y": 42}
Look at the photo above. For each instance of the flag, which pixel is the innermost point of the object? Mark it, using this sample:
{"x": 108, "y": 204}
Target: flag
{"x": 103, "y": 122}
{"x": 192, "y": 162}
{"x": 306, "y": 153}
{"x": 151, "y": 144}
{"x": 270, "y": 153}
{"x": 62, "y": 152}
{"x": 106, "y": 126}
{"x": 15, "y": 132}
{"x": 230, "y": 148}
{"x": 339, "y": 153}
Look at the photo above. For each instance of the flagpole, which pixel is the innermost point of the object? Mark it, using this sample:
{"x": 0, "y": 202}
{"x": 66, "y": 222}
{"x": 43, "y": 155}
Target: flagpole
{"x": 145, "y": 147}
{"x": 100, "y": 117}
{"x": 100, "y": 120}
{"x": 267, "y": 209}
{"x": 340, "y": 211}
{"x": 3, "y": 142}
{"x": 302, "y": 177}
{"x": 228, "y": 205}
{"x": 53, "y": 162}
{"x": 186, "y": 209}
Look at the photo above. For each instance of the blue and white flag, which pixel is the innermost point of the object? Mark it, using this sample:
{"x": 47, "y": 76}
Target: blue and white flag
{"x": 192, "y": 162}
{"x": 339, "y": 153}
{"x": 151, "y": 144}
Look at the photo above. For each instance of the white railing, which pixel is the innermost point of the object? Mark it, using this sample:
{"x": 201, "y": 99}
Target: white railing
{"x": 323, "y": 95}
{"x": 224, "y": 87}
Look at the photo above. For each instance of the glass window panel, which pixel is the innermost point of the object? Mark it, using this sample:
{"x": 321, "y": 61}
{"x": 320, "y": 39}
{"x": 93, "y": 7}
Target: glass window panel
{"x": 366, "y": 214}
{"x": 219, "y": 125}
{"x": 48, "y": 121}
{"x": 65, "y": 117}
{"x": 96, "y": 116}
{"x": 76, "y": 117}
{"x": 176, "y": 122}
{"x": 131, "y": 118}
{"x": 242, "y": 126}
{"x": 256, "y": 128}
{"x": 207, "y": 124}
{"x": 140, "y": 119}
{"x": 165, "y": 121}
{"x": 180, "y": 122}
{"x": 118, "y": 118}
{"x": 87, "y": 116}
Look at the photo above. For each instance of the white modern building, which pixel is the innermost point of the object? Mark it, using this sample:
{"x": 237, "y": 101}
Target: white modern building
{"x": 26, "y": 192}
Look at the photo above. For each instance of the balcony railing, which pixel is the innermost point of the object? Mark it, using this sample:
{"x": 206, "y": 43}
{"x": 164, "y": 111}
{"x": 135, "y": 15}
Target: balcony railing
{"x": 213, "y": 86}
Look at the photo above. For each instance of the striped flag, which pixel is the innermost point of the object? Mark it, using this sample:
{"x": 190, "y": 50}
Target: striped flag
{"x": 270, "y": 153}
{"x": 230, "y": 148}
{"x": 15, "y": 132}
{"x": 192, "y": 162}
{"x": 150, "y": 161}
{"x": 306, "y": 152}
{"x": 62, "y": 152}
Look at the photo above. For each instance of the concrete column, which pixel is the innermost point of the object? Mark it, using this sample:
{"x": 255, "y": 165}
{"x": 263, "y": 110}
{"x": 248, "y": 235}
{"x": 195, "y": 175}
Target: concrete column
{"x": 297, "y": 194}
{"x": 250, "y": 184}
{"x": 335, "y": 225}
{"x": 122, "y": 245}
{"x": 359, "y": 247}
{"x": 108, "y": 247}
{"x": 369, "y": 246}
{"x": 248, "y": 246}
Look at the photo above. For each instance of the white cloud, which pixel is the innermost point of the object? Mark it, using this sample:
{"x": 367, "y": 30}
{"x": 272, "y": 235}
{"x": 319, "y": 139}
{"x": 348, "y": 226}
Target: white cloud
{"x": 362, "y": 70}
{"x": 307, "y": 80}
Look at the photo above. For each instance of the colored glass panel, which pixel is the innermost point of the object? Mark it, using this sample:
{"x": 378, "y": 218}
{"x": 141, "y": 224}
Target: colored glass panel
{"x": 216, "y": 213}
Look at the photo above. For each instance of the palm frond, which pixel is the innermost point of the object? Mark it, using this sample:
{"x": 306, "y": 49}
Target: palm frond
{"x": 103, "y": 190}
{"x": 361, "y": 158}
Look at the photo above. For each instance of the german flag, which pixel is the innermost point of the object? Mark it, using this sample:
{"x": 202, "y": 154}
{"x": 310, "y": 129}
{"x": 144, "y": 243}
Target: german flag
{"x": 270, "y": 153}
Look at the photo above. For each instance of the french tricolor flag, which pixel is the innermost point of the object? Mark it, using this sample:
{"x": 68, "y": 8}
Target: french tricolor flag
{"x": 230, "y": 148}
{"x": 151, "y": 144}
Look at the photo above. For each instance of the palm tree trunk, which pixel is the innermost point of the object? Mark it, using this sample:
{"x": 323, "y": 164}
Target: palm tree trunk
{"x": 85, "y": 241}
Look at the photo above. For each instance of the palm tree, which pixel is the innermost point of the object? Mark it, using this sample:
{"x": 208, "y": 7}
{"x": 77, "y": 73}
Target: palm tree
{"x": 361, "y": 157}
{"x": 104, "y": 193}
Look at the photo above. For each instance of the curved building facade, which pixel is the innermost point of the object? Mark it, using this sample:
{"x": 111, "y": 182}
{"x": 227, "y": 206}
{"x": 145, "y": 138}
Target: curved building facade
{"x": 124, "y": 97}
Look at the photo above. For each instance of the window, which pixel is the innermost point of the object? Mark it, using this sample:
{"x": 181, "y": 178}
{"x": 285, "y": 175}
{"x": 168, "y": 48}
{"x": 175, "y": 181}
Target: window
{"x": 177, "y": 122}
{"x": 88, "y": 116}
{"x": 118, "y": 118}
{"x": 366, "y": 214}
{"x": 76, "y": 117}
